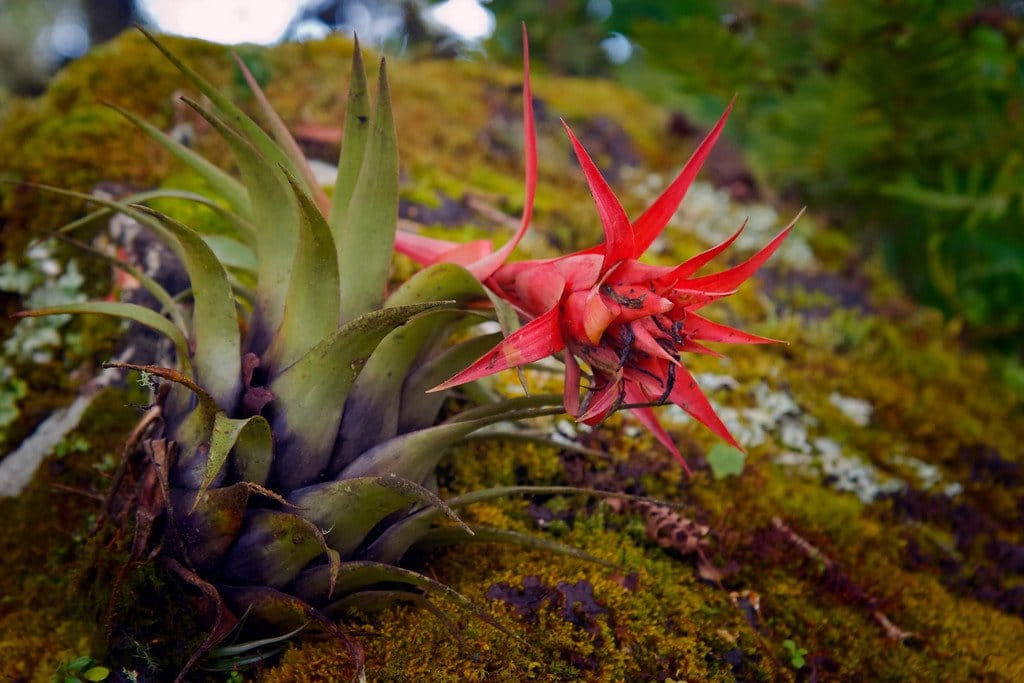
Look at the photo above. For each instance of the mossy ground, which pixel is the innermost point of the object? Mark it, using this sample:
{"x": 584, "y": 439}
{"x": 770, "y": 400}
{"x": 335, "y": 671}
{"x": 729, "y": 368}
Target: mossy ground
{"x": 947, "y": 568}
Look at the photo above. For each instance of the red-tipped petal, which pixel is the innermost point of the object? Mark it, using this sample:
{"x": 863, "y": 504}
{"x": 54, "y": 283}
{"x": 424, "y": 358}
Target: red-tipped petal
{"x": 571, "y": 399}
{"x": 690, "y": 346}
{"x": 537, "y": 339}
{"x": 467, "y": 252}
{"x": 484, "y": 268}
{"x": 430, "y": 250}
{"x": 701, "y": 328}
{"x": 597, "y": 316}
{"x": 618, "y": 233}
{"x": 580, "y": 270}
{"x": 647, "y": 228}
{"x": 601, "y": 403}
{"x": 648, "y": 419}
{"x": 643, "y": 339}
{"x": 636, "y": 271}
{"x": 696, "y": 298}
{"x": 687, "y": 395}
{"x": 539, "y": 289}
{"x": 692, "y": 265}
{"x": 733, "y": 277}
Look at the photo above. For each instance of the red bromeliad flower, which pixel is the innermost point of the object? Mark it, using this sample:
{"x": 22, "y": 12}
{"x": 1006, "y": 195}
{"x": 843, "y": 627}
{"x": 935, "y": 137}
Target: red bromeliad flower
{"x": 627, "y": 321}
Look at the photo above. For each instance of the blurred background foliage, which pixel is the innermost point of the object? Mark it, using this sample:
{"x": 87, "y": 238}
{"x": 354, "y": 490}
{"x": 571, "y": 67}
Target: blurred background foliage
{"x": 900, "y": 121}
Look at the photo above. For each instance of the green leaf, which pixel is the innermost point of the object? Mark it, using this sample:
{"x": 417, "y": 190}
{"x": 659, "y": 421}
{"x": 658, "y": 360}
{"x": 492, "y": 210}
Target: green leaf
{"x": 222, "y": 183}
{"x": 439, "y": 282}
{"x": 285, "y": 612}
{"x": 371, "y": 412}
{"x": 276, "y": 219}
{"x": 132, "y": 210}
{"x": 285, "y": 141}
{"x": 310, "y": 393}
{"x": 366, "y": 240}
{"x": 346, "y": 510}
{"x": 311, "y": 309}
{"x": 232, "y": 253}
{"x": 353, "y": 144}
{"x": 215, "y": 335}
{"x": 415, "y": 455}
{"x": 253, "y": 444}
{"x": 237, "y": 227}
{"x": 419, "y": 409}
{"x": 725, "y": 461}
{"x": 117, "y": 309}
{"x": 272, "y": 549}
{"x": 163, "y": 297}
{"x": 208, "y": 522}
{"x": 235, "y": 116}
{"x": 230, "y": 651}
{"x": 356, "y": 575}
{"x": 79, "y": 663}
{"x": 96, "y": 673}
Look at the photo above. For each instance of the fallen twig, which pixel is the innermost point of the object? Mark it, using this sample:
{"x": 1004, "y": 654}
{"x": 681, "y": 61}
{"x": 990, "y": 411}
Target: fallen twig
{"x": 892, "y": 631}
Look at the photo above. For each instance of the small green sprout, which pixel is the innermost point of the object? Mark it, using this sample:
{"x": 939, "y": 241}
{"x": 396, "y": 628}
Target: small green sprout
{"x": 69, "y": 446}
{"x": 725, "y": 461}
{"x": 80, "y": 670}
{"x": 797, "y": 655}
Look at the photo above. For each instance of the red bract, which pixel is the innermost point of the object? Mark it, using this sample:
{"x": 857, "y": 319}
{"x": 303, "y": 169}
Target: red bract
{"x": 627, "y": 322}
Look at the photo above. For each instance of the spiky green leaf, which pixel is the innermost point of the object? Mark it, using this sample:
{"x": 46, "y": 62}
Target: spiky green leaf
{"x": 215, "y": 335}
{"x": 367, "y": 237}
{"x": 272, "y": 549}
{"x": 155, "y": 289}
{"x": 416, "y": 454}
{"x": 275, "y": 215}
{"x": 252, "y": 442}
{"x": 446, "y": 536}
{"x": 285, "y": 141}
{"x": 223, "y": 184}
{"x": 134, "y": 312}
{"x": 419, "y": 408}
{"x": 346, "y": 510}
{"x": 353, "y": 145}
{"x": 371, "y": 413}
{"x": 311, "y": 393}
{"x": 394, "y": 542}
{"x": 231, "y": 112}
{"x": 311, "y": 309}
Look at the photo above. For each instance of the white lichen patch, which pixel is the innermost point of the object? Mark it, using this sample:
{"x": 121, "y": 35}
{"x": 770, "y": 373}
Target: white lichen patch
{"x": 928, "y": 477}
{"x": 774, "y": 416}
{"x": 42, "y": 281}
{"x": 856, "y": 409}
{"x": 852, "y": 474}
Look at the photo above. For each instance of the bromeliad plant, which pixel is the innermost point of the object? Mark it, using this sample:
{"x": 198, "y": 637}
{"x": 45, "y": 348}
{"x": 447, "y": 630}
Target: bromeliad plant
{"x": 285, "y": 467}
